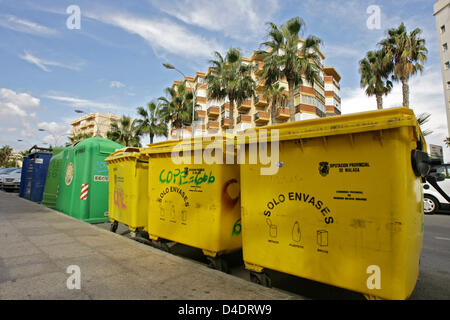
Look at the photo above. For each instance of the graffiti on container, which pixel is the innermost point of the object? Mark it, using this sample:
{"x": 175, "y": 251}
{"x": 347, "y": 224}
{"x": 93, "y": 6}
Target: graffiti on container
{"x": 100, "y": 167}
{"x": 230, "y": 194}
{"x": 237, "y": 228}
{"x": 119, "y": 197}
{"x": 179, "y": 191}
{"x": 181, "y": 177}
{"x": 303, "y": 198}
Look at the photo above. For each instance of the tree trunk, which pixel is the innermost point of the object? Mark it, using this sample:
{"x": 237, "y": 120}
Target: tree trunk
{"x": 405, "y": 87}
{"x": 379, "y": 101}
{"x": 273, "y": 109}
{"x": 151, "y": 138}
{"x": 231, "y": 113}
{"x": 291, "y": 101}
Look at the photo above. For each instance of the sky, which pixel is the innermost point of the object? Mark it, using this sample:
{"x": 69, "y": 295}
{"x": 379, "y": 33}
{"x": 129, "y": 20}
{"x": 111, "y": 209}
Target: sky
{"x": 112, "y": 61}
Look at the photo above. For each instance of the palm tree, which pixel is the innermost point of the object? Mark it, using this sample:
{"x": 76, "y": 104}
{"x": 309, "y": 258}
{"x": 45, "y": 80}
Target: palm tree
{"x": 230, "y": 78}
{"x": 5, "y": 153}
{"x": 408, "y": 54}
{"x": 447, "y": 142}
{"x": 150, "y": 122}
{"x": 422, "y": 119}
{"x": 374, "y": 70}
{"x": 176, "y": 108}
{"x": 277, "y": 98}
{"x": 124, "y": 132}
{"x": 284, "y": 60}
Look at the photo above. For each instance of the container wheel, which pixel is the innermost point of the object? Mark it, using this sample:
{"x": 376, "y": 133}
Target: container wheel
{"x": 114, "y": 226}
{"x": 261, "y": 278}
{"x": 218, "y": 263}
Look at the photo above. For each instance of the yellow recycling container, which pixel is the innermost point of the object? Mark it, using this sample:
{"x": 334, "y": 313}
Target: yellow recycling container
{"x": 344, "y": 207}
{"x": 193, "y": 198}
{"x": 128, "y": 183}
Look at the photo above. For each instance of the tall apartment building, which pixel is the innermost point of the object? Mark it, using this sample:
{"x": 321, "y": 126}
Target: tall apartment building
{"x": 442, "y": 14}
{"x": 93, "y": 124}
{"x": 311, "y": 101}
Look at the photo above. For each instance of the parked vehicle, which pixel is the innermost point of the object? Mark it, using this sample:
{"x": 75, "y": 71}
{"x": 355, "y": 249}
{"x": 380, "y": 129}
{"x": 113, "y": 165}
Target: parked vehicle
{"x": 3, "y": 173}
{"x": 432, "y": 198}
{"x": 11, "y": 181}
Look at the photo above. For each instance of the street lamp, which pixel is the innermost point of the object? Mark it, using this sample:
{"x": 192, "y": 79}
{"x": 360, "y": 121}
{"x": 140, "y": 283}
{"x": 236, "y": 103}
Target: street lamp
{"x": 194, "y": 92}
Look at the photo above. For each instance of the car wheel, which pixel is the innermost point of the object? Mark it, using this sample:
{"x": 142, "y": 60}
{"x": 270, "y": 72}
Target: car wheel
{"x": 430, "y": 204}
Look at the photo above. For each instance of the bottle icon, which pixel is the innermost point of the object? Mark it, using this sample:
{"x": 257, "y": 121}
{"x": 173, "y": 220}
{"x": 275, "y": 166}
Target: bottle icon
{"x": 296, "y": 232}
{"x": 322, "y": 238}
{"x": 273, "y": 231}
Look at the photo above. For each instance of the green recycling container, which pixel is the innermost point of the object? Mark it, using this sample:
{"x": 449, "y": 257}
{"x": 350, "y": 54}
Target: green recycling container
{"x": 83, "y": 182}
{"x": 51, "y": 184}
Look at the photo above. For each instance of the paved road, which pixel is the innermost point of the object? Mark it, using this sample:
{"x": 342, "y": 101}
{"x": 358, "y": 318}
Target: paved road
{"x": 37, "y": 245}
{"x": 434, "y": 276}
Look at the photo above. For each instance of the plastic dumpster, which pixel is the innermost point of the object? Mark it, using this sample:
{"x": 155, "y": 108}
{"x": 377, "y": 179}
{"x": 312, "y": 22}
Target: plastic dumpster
{"x": 83, "y": 182}
{"x": 192, "y": 202}
{"x": 51, "y": 184}
{"x": 128, "y": 185}
{"x": 34, "y": 174}
{"x": 345, "y": 207}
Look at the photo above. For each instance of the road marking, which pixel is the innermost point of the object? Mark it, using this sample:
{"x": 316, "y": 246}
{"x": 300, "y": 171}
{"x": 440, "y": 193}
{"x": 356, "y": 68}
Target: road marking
{"x": 439, "y": 238}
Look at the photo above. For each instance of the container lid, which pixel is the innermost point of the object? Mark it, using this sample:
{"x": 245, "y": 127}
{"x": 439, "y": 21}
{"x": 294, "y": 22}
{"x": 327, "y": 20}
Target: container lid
{"x": 196, "y": 143}
{"x": 340, "y": 125}
{"x": 128, "y": 152}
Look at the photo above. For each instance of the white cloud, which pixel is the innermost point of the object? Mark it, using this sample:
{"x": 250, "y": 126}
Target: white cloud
{"x": 17, "y": 115}
{"x": 426, "y": 96}
{"x": 84, "y": 103}
{"x": 239, "y": 19}
{"x": 21, "y": 25}
{"x": 42, "y": 64}
{"x": 116, "y": 84}
{"x": 162, "y": 34}
{"x": 57, "y": 132}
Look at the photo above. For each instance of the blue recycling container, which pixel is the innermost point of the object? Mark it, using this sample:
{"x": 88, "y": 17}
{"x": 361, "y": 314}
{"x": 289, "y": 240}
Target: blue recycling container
{"x": 23, "y": 176}
{"x": 34, "y": 174}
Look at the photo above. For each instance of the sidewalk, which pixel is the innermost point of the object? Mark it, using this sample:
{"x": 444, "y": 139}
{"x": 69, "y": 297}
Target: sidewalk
{"x": 38, "y": 244}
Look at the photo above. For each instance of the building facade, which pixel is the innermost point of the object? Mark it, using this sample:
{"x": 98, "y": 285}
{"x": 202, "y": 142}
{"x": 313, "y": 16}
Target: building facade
{"x": 94, "y": 124}
{"x": 316, "y": 100}
{"x": 442, "y": 14}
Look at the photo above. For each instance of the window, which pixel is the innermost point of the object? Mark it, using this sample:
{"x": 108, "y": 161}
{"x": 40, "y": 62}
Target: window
{"x": 445, "y": 47}
{"x": 448, "y": 85}
{"x": 443, "y": 29}
{"x": 447, "y": 65}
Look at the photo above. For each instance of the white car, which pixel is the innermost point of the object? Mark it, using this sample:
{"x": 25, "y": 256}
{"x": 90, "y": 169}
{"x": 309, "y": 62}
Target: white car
{"x": 11, "y": 180}
{"x": 433, "y": 200}
{"x": 3, "y": 173}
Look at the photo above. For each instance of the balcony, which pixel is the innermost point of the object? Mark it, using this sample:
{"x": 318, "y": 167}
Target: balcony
{"x": 261, "y": 102}
{"x": 337, "y": 98}
{"x": 213, "y": 112}
{"x": 261, "y": 117}
{"x": 225, "y": 107}
{"x": 244, "y": 119}
{"x": 282, "y": 114}
{"x": 245, "y": 106}
{"x": 213, "y": 125}
{"x": 201, "y": 113}
{"x": 260, "y": 85}
{"x": 225, "y": 123}
{"x": 260, "y": 66}
{"x": 320, "y": 97}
